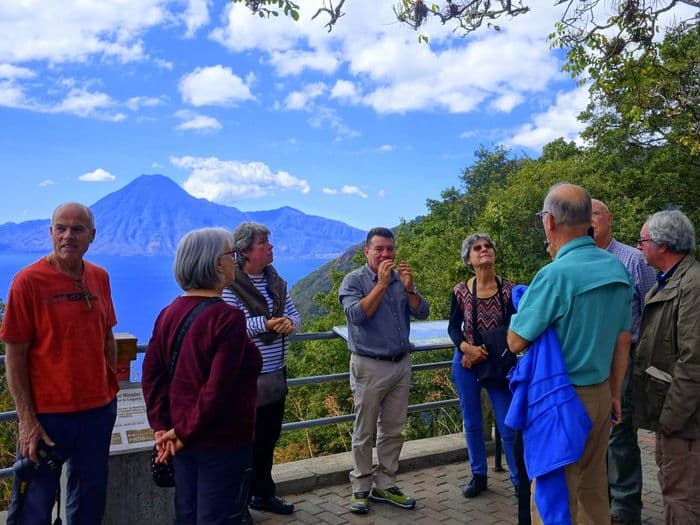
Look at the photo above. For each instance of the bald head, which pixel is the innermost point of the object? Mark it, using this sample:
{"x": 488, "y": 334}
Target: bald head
{"x": 87, "y": 212}
{"x": 569, "y": 205}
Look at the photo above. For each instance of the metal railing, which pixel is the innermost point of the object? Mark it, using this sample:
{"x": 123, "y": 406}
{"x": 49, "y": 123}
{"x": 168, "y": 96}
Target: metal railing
{"x": 311, "y": 380}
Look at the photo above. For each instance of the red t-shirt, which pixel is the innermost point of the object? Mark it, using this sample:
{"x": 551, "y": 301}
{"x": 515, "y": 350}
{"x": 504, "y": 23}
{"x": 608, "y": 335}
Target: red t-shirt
{"x": 46, "y": 308}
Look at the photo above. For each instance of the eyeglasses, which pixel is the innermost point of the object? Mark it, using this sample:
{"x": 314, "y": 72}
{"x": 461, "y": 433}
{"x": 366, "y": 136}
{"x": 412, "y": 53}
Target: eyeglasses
{"x": 232, "y": 253}
{"x": 642, "y": 241}
{"x": 542, "y": 213}
{"x": 480, "y": 247}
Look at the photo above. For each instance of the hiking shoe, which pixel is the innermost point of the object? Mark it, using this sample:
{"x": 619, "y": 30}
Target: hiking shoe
{"x": 476, "y": 486}
{"x": 359, "y": 503}
{"x": 393, "y": 496}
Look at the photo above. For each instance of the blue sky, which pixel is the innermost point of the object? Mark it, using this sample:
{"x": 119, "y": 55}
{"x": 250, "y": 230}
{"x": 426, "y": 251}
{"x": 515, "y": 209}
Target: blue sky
{"x": 362, "y": 124}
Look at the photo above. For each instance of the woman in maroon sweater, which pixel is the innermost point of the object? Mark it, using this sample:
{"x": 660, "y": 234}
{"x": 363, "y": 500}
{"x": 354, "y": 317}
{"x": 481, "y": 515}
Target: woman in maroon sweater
{"x": 204, "y": 419}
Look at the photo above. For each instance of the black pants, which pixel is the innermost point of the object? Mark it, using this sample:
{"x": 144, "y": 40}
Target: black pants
{"x": 524, "y": 482}
{"x": 268, "y": 426}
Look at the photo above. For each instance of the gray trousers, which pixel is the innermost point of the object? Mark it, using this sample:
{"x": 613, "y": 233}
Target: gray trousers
{"x": 380, "y": 390}
{"x": 678, "y": 460}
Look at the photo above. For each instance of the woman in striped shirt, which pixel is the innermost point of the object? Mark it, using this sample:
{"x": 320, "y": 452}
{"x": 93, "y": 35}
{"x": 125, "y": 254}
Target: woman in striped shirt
{"x": 271, "y": 317}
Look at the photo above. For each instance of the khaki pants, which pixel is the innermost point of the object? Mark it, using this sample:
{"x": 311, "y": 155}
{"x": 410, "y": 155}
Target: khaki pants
{"x": 380, "y": 390}
{"x": 587, "y": 479}
{"x": 678, "y": 460}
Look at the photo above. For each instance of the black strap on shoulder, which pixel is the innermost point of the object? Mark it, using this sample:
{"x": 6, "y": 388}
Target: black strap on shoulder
{"x": 182, "y": 330}
{"x": 504, "y": 315}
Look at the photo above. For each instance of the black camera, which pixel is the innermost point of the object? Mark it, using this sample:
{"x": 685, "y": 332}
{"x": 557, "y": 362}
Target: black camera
{"x": 49, "y": 460}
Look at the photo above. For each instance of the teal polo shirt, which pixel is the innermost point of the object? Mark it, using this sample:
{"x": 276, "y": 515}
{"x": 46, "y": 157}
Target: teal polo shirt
{"x": 585, "y": 294}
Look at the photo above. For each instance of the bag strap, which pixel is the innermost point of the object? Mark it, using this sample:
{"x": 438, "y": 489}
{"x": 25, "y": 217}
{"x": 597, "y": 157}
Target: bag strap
{"x": 182, "y": 330}
{"x": 476, "y": 335}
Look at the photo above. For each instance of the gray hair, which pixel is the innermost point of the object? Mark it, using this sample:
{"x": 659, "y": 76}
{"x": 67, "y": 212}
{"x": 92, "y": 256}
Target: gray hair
{"x": 469, "y": 242}
{"x": 196, "y": 258}
{"x": 86, "y": 211}
{"x": 244, "y": 237}
{"x": 673, "y": 229}
{"x": 570, "y": 208}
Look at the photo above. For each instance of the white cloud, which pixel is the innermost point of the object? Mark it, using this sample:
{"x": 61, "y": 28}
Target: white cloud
{"x": 507, "y": 102}
{"x": 300, "y": 99}
{"x": 385, "y": 148}
{"x": 227, "y": 181}
{"x": 327, "y": 117}
{"x": 73, "y": 31}
{"x": 84, "y": 103}
{"x": 345, "y": 90}
{"x": 196, "y": 122}
{"x": 11, "y": 72}
{"x": 196, "y": 15}
{"x": 559, "y": 120}
{"x": 11, "y": 95}
{"x": 381, "y": 193}
{"x": 47, "y": 182}
{"x": 135, "y": 103}
{"x": 391, "y": 72}
{"x": 346, "y": 189}
{"x": 294, "y": 62}
{"x": 215, "y": 85}
{"x": 99, "y": 175}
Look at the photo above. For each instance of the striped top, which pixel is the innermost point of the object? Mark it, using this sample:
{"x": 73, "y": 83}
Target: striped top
{"x": 274, "y": 355}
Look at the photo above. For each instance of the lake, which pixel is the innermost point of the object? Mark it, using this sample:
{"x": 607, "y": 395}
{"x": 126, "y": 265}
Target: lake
{"x": 142, "y": 285}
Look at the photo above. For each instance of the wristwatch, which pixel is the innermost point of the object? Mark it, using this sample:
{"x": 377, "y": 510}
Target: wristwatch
{"x": 413, "y": 291}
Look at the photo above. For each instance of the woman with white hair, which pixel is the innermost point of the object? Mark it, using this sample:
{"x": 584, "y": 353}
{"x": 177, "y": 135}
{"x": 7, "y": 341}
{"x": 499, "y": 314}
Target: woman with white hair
{"x": 480, "y": 304}
{"x": 201, "y": 400}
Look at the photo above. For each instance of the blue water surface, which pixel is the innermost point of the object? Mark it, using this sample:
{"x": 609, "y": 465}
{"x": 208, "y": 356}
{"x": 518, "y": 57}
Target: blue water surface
{"x": 141, "y": 285}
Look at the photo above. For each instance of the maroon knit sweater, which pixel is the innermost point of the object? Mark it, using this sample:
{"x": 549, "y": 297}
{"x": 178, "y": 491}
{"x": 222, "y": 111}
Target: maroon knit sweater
{"x": 211, "y": 401}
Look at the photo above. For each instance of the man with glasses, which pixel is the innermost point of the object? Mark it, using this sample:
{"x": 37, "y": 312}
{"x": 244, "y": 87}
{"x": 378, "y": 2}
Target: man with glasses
{"x": 666, "y": 381}
{"x": 624, "y": 458}
{"x": 60, "y": 361}
{"x": 585, "y": 295}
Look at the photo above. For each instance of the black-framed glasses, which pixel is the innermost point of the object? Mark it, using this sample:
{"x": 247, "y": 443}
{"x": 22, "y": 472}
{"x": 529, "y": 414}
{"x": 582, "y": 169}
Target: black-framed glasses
{"x": 642, "y": 241}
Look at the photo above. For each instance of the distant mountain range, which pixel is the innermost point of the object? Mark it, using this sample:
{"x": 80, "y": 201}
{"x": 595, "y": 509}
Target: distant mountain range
{"x": 149, "y": 215}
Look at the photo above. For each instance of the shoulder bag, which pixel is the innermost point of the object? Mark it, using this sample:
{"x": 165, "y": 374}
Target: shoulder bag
{"x": 500, "y": 359}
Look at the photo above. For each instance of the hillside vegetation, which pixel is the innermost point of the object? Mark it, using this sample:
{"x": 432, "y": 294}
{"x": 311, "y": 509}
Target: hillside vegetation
{"x": 641, "y": 156}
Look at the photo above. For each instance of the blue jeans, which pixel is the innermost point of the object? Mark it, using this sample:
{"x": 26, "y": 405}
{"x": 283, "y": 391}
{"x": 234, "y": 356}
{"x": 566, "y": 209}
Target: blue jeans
{"x": 82, "y": 440}
{"x": 211, "y": 485}
{"x": 625, "y": 460}
{"x": 469, "y": 390}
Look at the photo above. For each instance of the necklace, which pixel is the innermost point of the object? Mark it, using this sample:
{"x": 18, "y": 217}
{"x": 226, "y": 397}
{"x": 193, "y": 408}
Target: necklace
{"x": 77, "y": 278}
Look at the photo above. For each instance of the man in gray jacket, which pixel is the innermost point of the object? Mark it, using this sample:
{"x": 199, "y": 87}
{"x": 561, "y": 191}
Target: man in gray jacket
{"x": 667, "y": 367}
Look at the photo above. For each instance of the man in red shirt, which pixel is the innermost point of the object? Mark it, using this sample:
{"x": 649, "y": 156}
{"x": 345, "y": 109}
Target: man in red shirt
{"x": 60, "y": 354}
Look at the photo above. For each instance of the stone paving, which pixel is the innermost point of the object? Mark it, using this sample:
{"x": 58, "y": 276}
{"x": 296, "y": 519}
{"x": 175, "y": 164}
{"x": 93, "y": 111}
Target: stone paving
{"x": 440, "y": 501}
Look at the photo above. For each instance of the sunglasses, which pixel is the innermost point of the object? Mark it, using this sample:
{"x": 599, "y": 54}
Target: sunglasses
{"x": 480, "y": 247}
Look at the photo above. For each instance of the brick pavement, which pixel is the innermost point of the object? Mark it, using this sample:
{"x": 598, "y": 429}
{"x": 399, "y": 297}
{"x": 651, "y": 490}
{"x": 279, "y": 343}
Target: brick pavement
{"x": 440, "y": 501}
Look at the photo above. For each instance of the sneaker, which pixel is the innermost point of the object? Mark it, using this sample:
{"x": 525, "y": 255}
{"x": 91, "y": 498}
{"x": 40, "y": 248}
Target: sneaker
{"x": 393, "y": 496}
{"x": 359, "y": 503}
{"x": 476, "y": 486}
{"x": 272, "y": 504}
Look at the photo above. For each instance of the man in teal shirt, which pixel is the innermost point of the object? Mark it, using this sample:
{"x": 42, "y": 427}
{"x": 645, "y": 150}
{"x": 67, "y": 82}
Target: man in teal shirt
{"x": 585, "y": 295}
